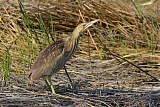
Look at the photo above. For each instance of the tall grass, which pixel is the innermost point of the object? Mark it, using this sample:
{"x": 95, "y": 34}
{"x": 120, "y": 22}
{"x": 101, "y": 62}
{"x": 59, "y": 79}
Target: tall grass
{"x": 151, "y": 39}
{"x": 119, "y": 22}
{"x": 29, "y": 42}
{"x": 6, "y": 65}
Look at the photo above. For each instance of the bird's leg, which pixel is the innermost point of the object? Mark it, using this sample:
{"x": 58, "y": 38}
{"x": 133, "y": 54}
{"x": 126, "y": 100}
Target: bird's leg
{"x": 72, "y": 84}
{"x": 50, "y": 85}
{"x": 67, "y": 74}
{"x": 47, "y": 83}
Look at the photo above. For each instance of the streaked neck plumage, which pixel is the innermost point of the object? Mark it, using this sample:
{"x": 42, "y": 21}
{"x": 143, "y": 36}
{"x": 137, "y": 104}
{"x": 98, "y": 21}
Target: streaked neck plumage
{"x": 71, "y": 42}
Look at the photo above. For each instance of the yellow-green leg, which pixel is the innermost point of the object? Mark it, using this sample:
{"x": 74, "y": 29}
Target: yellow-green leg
{"x": 50, "y": 85}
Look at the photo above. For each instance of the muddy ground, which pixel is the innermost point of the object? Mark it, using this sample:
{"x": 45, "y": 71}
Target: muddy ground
{"x": 99, "y": 83}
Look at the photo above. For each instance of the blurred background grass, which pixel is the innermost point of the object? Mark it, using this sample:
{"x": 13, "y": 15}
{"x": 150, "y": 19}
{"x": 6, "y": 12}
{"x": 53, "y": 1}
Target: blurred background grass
{"x": 130, "y": 28}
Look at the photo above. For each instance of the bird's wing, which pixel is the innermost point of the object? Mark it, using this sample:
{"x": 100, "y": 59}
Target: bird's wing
{"x": 46, "y": 59}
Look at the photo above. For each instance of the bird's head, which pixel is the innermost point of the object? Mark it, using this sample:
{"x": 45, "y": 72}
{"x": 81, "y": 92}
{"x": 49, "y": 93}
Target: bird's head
{"x": 82, "y": 27}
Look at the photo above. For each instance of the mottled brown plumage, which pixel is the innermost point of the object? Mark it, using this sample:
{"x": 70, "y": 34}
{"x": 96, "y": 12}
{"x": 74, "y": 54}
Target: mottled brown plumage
{"x": 53, "y": 58}
{"x": 44, "y": 62}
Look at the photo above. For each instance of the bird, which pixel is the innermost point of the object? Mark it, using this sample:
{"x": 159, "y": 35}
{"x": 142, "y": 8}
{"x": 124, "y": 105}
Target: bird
{"x": 54, "y": 57}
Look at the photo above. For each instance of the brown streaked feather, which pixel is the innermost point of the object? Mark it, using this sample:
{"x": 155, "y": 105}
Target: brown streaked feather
{"x": 45, "y": 60}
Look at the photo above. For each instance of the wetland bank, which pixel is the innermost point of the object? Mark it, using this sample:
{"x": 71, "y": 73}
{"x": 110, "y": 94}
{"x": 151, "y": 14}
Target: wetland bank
{"x": 127, "y": 29}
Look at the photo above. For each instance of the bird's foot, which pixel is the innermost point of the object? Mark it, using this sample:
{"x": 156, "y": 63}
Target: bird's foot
{"x": 50, "y": 88}
{"x": 74, "y": 85}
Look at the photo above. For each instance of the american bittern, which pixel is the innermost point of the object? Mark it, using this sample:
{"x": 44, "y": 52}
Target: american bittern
{"x": 53, "y": 58}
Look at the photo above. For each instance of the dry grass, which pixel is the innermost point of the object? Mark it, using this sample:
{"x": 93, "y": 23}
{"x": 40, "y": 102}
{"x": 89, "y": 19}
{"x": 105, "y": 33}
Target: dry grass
{"x": 122, "y": 28}
{"x": 125, "y": 29}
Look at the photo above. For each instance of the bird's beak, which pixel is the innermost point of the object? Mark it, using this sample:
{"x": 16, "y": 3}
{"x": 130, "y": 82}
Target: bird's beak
{"x": 90, "y": 24}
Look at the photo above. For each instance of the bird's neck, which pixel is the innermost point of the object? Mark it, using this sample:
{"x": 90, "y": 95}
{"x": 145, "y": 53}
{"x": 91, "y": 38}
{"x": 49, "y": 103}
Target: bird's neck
{"x": 71, "y": 43}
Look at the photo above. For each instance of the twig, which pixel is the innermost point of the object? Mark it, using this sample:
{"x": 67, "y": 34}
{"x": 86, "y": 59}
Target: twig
{"x": 119, "y": 56}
